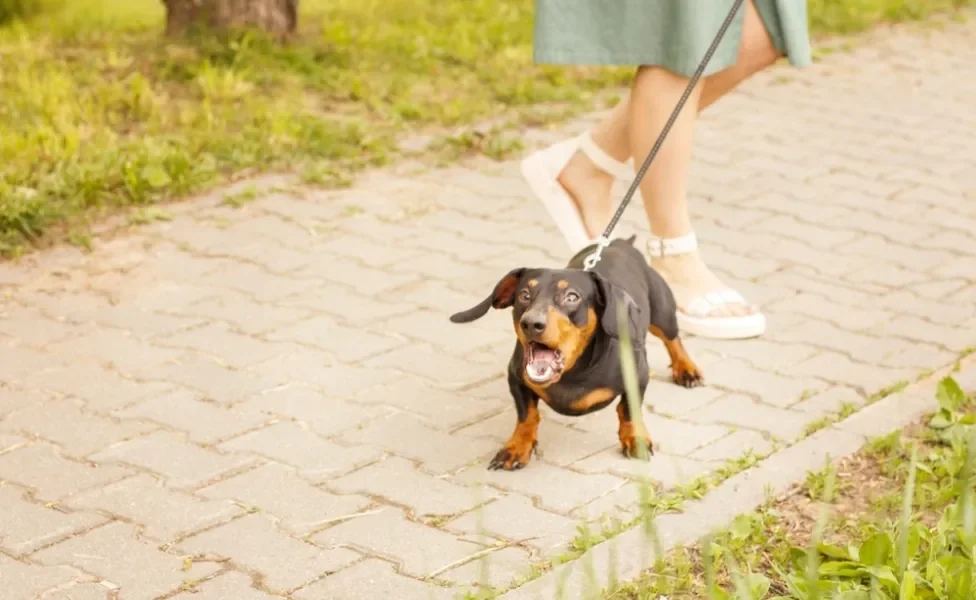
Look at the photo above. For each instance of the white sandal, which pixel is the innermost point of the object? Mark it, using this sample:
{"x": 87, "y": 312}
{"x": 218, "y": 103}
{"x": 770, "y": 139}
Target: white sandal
{"x": 541, "y": 170}
{"x": 695, "y": 319}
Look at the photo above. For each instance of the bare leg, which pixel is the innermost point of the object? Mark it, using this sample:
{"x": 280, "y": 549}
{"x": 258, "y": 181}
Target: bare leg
{"x": 632, "y": 129}
{"x": 590, "y": 186}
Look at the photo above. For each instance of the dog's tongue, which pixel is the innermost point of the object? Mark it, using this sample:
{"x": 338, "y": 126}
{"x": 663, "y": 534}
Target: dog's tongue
{"x": 542, "y": 367}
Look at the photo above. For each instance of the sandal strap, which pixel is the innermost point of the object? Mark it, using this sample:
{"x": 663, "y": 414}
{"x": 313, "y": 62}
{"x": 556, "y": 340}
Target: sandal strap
{"x": 602, "y": 160}
{"x": 658, "y": 247}
{"x": 703, "y": 305}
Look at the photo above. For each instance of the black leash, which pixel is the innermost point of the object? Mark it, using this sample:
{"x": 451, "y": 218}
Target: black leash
{"x": 604, "y": 240}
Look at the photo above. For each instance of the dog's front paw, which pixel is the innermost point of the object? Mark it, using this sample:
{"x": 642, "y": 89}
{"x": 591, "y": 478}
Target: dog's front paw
{"x": 631, "y": 446}
{"x": 686, "y": 374}
{"x": 512, "y": 457}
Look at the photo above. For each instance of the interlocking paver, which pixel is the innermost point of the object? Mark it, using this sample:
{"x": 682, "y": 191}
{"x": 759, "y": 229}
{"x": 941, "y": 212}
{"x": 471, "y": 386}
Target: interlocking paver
{"x": 418, "y": 549}
{"x": 407, "y": 436}
{"x": 27, "y": 526}
{"x": 292, "y": 444}
{"x": 77, "y": 433}
{"x": 305, "y": 335}
{"x": 228, "y": 586}
{"x": 38, "y": 466}
{"x": 325, "y": 415}
{"x": 278, "y": 492}
{"x": 166, "y": 514}
{"x": 514, "y": 519}
{"x": 23, "y": 580}
{"x": 204, "y": 422}
{"x": 115, "y": 553}
{"x": 285, "y": 563}
{"x": 182, "y": 463}
{"x": 396, "y": 479}
{"x": 372, "y": 578}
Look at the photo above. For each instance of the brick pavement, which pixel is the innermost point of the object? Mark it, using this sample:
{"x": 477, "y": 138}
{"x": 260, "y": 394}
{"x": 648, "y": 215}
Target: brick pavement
{"x": 268, "y": 401}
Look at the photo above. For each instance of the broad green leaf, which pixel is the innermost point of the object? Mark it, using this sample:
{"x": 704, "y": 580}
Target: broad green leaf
{"x": 156, "y": 176}
{"x": 758, "y": 585}
{"x": 875, "y": 551}
{"x": 907, "y": 591}
{"x": 841, "y": 568}
{"x": 885, "y": 575}
{"x": 940, "y": 421}
{"x": 833, "y": 551}
{"x": 741, "y": 527}
{"x": 950, "y": 395}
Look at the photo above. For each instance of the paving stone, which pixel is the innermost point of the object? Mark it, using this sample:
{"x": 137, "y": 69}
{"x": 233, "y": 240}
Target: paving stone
{"x": 372, "y": 578}
{"x": 228, "y": 586}
{"x": 840, "y": 369}
{"x": 109, "y": 346}
{"x": 733, "y": 446}
{"x": 445, "y": 369}
{"x": 556, "y": 489}
{"x": 82, "y": 591}
{"x": 671, "y": 436}
{"x": 665, "y": 398}
{"x": 101, "y": 389}
{"x": 418, "y": 550}
{"x": 316, "y": 369}
{"x": 17, "y": 362}
{"x": 496, "y": 570}
{"x": 202, "y": 373}
{"x": 397, "y": 480}
{"x": 115, "y": 553}
{"x": 39, "y": 467}
{"x": 365, "y": 280}
{"x": 27, "y": 526}
{"x": 23, "y": 580}
{"x": 258, "y": 283}
{"x": 830, "y": 401}
{"x": 325, "y": 415}
{"x": 182, "y": 463}
{"x": 78, "y": 433}
{"x": 292, "y": 444}
{"x": 233, "y": 349}
{"x": 408, "y": 437}
{"x": 432, "y": 327}
{"x": 203, "y": 422}
{"x": 515, "y": 519}
{"x": 663, "y": 469}
{"x": 285, "y": 563}
{"x": 8, "y": 441}
{"x": 278, "y": 492}
{"x": 440, "y": 409}
{"x": 246, "y": 315}
{"x": 770, "y": 388}
{"x": 166, "y": 514}
{"x": 345, "y": 305}
{"x": 742, "y": 411}
{"x": 138, "y": 322}
{"x": 353, "y": 343}
{"x": 563, "y": 446}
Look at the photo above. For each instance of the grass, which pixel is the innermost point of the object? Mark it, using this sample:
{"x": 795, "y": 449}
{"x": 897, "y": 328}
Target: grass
{"x": 895, "y": 521}
{"x": 99, "y": 112}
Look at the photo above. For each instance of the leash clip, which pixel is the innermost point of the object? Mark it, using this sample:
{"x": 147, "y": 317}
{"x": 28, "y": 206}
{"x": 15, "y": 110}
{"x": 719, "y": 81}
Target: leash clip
{"x": 590, "y": 261}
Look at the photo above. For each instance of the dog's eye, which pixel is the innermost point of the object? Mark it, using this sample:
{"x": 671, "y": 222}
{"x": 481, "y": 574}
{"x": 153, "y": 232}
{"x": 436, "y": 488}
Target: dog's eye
{"x": 572, "y": 298}
{"x": 524, "y": 296}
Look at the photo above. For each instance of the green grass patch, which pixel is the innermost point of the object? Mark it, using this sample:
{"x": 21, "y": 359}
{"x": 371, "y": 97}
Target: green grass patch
{"x": 895, "y": 521}
{"x": 99, "y": 112}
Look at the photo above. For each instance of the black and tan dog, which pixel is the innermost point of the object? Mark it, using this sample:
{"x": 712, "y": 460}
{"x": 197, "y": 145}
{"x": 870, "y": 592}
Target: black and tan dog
{"x": 568, "y": 351}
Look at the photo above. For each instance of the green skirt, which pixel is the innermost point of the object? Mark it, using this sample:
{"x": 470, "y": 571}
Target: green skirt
{"x": 673, "y": 34}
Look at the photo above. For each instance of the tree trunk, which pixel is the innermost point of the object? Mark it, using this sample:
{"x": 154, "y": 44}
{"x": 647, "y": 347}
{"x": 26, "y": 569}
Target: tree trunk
{"x": 277, "y": 17}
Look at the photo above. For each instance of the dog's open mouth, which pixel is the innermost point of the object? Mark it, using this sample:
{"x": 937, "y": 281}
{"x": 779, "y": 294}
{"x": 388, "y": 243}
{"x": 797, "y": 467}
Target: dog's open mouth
{"x": 542, "y": 363}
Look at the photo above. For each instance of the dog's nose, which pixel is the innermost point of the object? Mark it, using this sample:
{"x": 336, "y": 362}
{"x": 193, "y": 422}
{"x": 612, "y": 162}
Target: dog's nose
{"x": 533, "y": 324}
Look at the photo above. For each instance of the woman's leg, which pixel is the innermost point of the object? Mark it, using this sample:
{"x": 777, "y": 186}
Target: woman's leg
{"x": 590, "y": 187}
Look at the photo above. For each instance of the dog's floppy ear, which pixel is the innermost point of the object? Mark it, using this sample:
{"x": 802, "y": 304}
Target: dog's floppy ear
{"x": 502, "y": 296}
{"x": 610, "y": 298}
